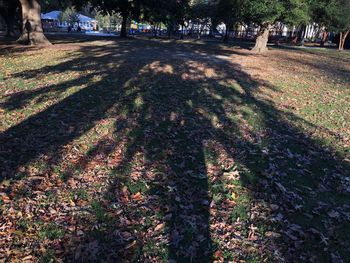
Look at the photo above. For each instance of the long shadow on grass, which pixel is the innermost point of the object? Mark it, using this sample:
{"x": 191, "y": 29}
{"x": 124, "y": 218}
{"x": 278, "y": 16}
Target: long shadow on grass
{"x": 183, "y": 125}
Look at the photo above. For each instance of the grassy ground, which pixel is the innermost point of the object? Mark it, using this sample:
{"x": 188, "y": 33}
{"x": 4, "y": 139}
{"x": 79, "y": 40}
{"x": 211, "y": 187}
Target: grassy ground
{"x": 150, "y": 151}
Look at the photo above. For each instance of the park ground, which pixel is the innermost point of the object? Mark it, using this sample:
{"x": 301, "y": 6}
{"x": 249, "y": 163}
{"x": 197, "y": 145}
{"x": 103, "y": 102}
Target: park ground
{"x": 181, "y": 151}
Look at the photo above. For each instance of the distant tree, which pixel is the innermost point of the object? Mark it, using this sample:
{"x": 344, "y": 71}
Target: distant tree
{"x": 263, "y": 13}
{"x": 230, "y": 12}
{"x": 319, "y": 15}
{"x": 128, "y": 9}
{"x": 69, "y": 15}
{"x": 155, "y": 12}
{"x": 339, "y": 19}
{"x": 171, "y": 13}
{"x": 108, "y": 21}
{"x": 177, "y": 10}
{"x": 297, "y": 13}
{"x": 201, "y": 13}
{"x": 32, "y": 31}
{"x": 332, "y": 15}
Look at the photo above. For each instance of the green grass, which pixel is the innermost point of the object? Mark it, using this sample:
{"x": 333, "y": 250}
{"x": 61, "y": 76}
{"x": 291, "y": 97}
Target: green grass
{"x": 98, "y": 211}
{"x": 51, "y": 232}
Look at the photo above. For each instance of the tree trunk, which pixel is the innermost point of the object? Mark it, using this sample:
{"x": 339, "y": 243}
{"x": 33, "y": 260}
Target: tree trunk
{"x": 9, "y": 26}
{"x": 123, "y": 31}
{"x": 199, "y": 31}
{"x": 226, "y": 36}
{"x": 8, "y": 19}
{"x": 182, "y": 33}
{"x": 340, "y": 47}
{"x": 343, "y": 36}
{"x": 262, "y": 39}
{"x": 32, "y": 30}
{"x": 157, "y": 29}
{"x": 227, "y": 32}
{"x": 324, "y": 38}
{"x": 169, "y": 31}
{"x": 301, "y": 35}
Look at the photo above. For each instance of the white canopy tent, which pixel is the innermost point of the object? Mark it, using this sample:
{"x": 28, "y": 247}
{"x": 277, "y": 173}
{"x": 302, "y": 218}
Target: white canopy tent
{"x": 85, "y": 22}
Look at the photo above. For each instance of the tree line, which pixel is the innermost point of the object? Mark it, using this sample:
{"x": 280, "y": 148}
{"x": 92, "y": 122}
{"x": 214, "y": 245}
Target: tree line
{"x": 332, "y": 15}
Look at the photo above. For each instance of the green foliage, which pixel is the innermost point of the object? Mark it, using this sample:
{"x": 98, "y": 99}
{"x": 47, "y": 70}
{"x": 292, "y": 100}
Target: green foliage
{"x": 51, "y": 232}
{"x": 318, "y": 12}
{"x": 202, "y": 9}
{"x": 155, "y": 12}
{"x": 297, "y": 12}
{"x": 98, "y": 211}
{"x": 333, "y": 14}
{"x": 230, "y": 11}
{"x": 291, "y": 12}
{"x": 171, "y": 13}
{"x": 69, "y": 15}
{"x": 130, "y": 8}
{"x": 263, "y": 11}
{"x": 109, "y": 20}
{"x": 23, "y": 224}
{"x": 338, "y": 12}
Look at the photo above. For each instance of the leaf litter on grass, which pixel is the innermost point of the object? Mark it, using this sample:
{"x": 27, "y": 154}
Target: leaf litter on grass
{"x": 153, "y": 157}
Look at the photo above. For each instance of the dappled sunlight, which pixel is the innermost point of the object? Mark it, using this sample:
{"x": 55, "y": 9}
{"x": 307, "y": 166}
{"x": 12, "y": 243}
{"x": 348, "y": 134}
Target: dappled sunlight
{"x": 178, "y": 152}
{"x": 157, "y": 67}
{"x": 197, "y": 71}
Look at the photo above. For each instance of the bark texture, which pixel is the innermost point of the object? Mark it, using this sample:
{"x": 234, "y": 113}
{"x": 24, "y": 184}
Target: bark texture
{"x": 261, "y": 40}
{"x": 343, "y": 36}
{"x": 32, "y": 30}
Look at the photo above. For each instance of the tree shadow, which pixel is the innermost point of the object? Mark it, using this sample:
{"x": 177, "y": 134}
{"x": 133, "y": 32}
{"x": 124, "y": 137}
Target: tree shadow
{"x": 180, "y": 125}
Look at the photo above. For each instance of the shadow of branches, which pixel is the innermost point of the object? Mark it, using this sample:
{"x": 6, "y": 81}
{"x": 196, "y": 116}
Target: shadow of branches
{"x": 184, "y": 121}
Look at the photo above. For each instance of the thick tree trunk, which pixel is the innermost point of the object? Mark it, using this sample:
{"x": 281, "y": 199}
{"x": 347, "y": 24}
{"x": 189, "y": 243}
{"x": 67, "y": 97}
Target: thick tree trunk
{"x": 9, "y": 26}
{"x": 123, "y": 30}
{"x": 262, "y": 39}
{"x": 32, "y": 30}
{"x": 342, "y": 39}
{"x": 229, "y": 26}
{"x": 8, "y": 13}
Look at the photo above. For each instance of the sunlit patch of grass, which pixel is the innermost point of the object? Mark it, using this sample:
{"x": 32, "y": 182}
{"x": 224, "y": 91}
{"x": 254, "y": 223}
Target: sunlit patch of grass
{"x": 51, "y": 232}
{"x": 24, "y": 224}
{"x": 79, "y": 194}
{"x": 99, "y": 211}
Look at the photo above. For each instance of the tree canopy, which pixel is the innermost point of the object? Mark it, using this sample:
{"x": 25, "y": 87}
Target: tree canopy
{"x": 333, "y": 15}
{"x": 69, "y": 15}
